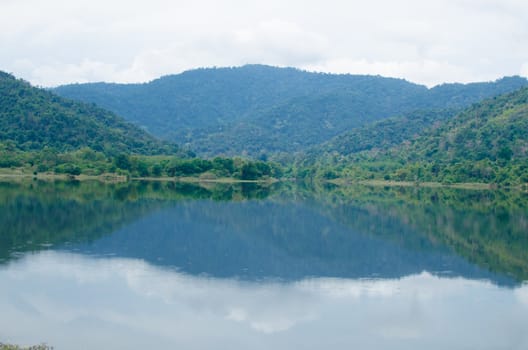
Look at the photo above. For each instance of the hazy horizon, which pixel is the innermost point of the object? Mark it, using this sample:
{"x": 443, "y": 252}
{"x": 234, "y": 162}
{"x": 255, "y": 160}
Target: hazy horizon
{"x": 52, "y": 43}
{"x": 257, "y": 64}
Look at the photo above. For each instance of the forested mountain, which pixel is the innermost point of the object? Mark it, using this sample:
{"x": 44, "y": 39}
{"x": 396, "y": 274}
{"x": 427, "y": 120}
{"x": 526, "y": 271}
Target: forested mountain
{"x": 480, "y": 141}
{"x": 380, "y": 135}
{"x": 205, "y": 98}
{"x": 259, "y": 110}
{"x": 487, "y": 142}
{"x": 32, "y": 118}
{"x": 42, "y": 132}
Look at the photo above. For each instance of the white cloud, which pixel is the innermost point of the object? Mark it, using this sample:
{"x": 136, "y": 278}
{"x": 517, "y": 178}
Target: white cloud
{"x": 281, "y": 43}
{"x": 524, "y": 70}
{"x": 426, "y": 42}
{"x": 424, "y": 71}
{"x": 522, "y": 294}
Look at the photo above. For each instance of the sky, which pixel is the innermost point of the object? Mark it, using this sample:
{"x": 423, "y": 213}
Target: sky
{"x": 55, "y": 42}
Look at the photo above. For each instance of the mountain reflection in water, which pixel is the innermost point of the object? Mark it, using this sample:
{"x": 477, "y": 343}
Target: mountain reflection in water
{"x": 168, "y": 265}
{"x": 284, "y": 232}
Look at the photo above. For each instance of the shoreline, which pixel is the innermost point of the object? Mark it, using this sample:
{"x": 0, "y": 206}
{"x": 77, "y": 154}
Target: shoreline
{"x": 459, "y": 185}
{"x": 116, "y": 178}
{"x": 191, "y": 179}
{"x": 63, "y": 177}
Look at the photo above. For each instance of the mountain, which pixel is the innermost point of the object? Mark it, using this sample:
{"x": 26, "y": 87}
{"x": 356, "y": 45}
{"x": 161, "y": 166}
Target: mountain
{"x": 487, "y": 142}
{"x": 258, "y": 110}
{"x": 380, "y": 135}
{"x": 32, "y": 118}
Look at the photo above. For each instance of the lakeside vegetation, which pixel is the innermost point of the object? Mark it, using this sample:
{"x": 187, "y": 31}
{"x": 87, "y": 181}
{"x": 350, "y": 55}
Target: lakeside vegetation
{"x": 88, "y": 162}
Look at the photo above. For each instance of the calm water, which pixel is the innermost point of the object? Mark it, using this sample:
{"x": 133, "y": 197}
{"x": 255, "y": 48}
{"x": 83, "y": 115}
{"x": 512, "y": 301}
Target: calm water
{"x": 161, "y": 265}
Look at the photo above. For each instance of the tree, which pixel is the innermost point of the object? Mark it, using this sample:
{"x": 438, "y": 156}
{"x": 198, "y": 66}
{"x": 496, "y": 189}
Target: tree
{"x": 122, "y": 161}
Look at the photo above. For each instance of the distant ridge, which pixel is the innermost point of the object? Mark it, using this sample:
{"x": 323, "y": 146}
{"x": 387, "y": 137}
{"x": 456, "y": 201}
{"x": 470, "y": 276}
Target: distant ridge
{"x": 258, "y": 110}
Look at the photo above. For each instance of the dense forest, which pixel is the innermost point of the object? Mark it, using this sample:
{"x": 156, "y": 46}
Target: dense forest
{"x": 42, "y": 132}
{"x": 33, "y": 118}
{"x": 381, "y": 135}
{"x": 485, "y": 143}
{"x": 259, "y": 110}
{"x": 403, "y": 131}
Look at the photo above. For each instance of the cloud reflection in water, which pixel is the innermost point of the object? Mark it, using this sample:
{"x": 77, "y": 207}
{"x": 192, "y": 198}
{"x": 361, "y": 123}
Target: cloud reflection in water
{"x": 74, "y": 301}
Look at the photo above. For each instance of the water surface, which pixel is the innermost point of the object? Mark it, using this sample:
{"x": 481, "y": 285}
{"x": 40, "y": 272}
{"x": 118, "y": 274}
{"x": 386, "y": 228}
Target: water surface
{"x": 152, "y": 265}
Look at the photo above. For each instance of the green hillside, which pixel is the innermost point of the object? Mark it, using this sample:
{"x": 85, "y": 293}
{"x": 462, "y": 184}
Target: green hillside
{"x": 258, "y": 110}
{"x": 488, "y": 142}
{"x": 496, "y": 129}
{"x": 381, "y": 135}
{"x": 42, "y": 132}
{"x": 32, "y": 119}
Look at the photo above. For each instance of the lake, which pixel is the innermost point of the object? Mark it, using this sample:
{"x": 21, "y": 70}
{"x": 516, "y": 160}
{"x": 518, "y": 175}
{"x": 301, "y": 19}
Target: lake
{"x": 166, "y": 265}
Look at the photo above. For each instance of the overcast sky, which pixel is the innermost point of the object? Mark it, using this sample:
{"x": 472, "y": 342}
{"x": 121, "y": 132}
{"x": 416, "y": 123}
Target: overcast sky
{"x": 62, "y": 41}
